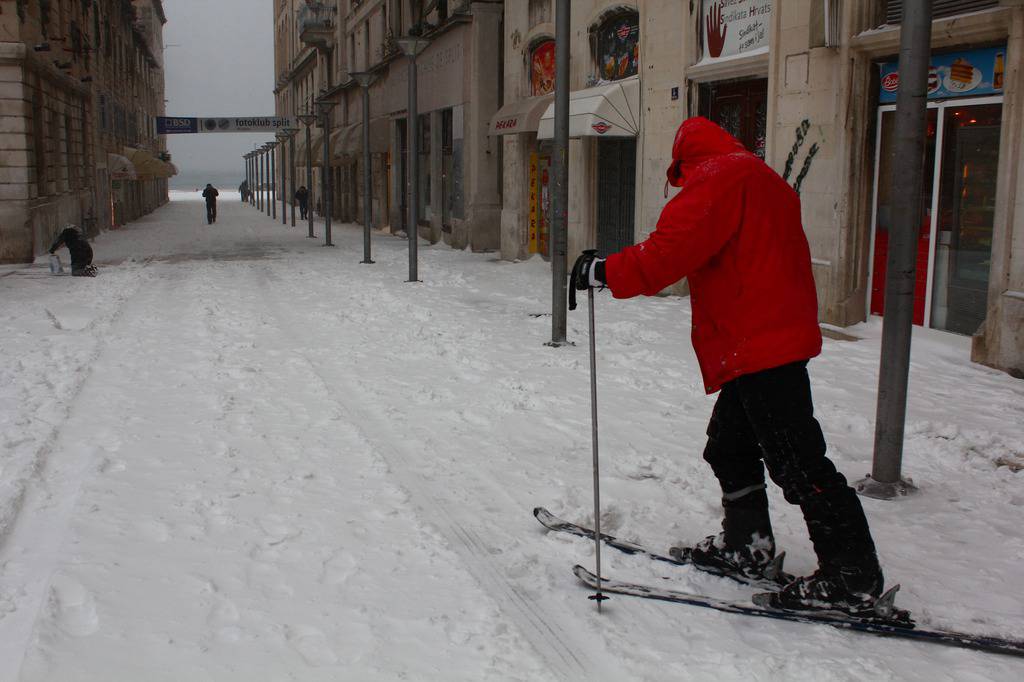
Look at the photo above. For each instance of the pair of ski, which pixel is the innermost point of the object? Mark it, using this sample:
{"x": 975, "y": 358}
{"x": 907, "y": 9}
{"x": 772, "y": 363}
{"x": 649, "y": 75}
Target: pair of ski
{"x": 886, "y": 620}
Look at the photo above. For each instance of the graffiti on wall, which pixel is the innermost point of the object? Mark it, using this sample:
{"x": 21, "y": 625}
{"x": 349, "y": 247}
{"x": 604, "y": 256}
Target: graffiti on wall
{"x": 801, "y": 137}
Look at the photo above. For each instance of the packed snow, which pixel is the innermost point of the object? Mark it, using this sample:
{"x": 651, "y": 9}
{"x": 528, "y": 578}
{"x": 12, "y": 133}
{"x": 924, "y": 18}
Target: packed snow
{"x": 239, "y": 455}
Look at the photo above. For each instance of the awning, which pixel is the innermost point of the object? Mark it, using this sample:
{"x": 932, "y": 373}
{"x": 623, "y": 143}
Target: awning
{"x": 610, "y": 110}
{"x": 351, "y": 140}
{"x": 315, "y": 136}
{"x": 520, "y": 117}
{"x": 147, "y": 166}
{"x": 120, "y": 168}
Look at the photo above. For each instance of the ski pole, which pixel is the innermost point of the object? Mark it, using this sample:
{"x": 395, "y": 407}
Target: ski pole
{"x": 597, "y": 596}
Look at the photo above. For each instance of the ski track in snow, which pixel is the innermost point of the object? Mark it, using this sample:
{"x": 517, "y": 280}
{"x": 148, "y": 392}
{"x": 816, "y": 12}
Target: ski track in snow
{"x": 239, "y": 455}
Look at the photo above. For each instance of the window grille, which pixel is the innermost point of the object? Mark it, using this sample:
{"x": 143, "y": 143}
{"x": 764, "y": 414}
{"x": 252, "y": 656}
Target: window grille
{"x": 940, "y": 8}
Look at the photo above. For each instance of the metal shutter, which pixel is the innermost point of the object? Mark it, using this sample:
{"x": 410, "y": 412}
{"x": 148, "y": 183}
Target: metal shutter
{"x": 940, "y": 8}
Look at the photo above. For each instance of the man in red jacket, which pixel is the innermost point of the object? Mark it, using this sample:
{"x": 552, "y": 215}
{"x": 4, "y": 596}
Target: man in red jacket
{"x": 734, "y": 230}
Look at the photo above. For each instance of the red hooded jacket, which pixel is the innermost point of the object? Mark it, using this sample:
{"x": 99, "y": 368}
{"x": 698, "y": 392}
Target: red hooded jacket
{"x": 734, "y": 230}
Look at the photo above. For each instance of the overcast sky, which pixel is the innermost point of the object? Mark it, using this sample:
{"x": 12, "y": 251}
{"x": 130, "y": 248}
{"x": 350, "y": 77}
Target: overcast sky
{"x": 219, "y": 61}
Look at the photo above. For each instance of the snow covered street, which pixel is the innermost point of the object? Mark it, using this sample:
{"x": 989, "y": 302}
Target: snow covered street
{"x": 239, "y": 455}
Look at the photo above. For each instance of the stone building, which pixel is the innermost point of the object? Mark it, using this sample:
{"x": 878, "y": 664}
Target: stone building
{"x": 80, "y": 85}
{"x": 459, "y": 89}
{"x": 810, "y": 86}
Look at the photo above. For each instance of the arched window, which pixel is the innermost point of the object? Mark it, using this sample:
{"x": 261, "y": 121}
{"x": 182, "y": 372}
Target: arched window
{"x": 542, "y": 68}
{"x": 618, "y": 46}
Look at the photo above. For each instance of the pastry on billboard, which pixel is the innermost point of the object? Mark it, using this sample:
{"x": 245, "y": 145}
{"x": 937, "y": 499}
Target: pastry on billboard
{"x": 961, "y": 71}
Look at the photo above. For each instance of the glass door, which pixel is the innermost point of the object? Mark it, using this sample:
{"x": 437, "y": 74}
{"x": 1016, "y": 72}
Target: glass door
{"x": 958, "y": 208}
{"x": 967, "y": 202}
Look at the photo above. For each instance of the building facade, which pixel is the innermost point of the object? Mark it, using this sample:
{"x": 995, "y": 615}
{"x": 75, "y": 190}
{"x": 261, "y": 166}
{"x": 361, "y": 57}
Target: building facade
{"x": 459, "y": 81}
{"x": 80, "y": 85}
{"x": 808, "y": 85}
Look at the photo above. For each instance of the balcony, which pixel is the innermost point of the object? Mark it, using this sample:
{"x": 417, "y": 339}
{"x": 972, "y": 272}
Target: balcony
{"x": 316, "y": 23}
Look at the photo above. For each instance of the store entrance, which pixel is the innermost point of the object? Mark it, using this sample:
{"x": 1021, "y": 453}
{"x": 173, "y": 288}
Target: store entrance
{"x": 741, "y": 108}
{"x": 958, "y": 213}
{"x": 616, "y": 193}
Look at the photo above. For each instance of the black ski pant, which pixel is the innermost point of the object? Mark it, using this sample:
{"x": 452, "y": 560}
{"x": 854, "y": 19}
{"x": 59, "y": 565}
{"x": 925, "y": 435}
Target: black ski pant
{"x": 211, "y": 212}
{"x": 768, "y": 417}
{"x": 303, "y": 210}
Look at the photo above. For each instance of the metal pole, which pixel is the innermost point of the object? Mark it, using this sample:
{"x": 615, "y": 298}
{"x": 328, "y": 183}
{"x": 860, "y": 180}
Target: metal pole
{"x": 325, "y": 179}
{"x": 560, "y": 166}
{"x": 283, "y": 192}
{"x": 291, "y": 167}
{"x": 597, "y": 596}
{"x": 267, "y": 175}
{"x": 248, "y": 177}
{"x": 367, "y": 179}
{"x": 259, "y": 181}
{"x": 309, "y": 183}
{"x": 908, "y": 179}
{"x": 272, "y": 157}
{"x": 414, "y": 172}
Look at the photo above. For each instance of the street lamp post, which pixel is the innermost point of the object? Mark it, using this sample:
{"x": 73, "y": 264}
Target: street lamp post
{"x": 282, "y": 138}
{"x": 259, "y": 178}
{"x": 290, "y": 133}
{"x": 324, "y": 107}
{"x": 308, "y": 120}
{"x": 411, "y": 47}
{"x": 560, "y": 176}
{"x": 272, "y": 176}
{"x": 886, "y": 480}
{"x": 365, "y": 79}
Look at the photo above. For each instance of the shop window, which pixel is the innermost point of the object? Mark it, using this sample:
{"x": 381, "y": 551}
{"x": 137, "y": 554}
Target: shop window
{"x": 617, "y": 43}
{"x": 940, "y": 8}
{"x": 542, "y": 68}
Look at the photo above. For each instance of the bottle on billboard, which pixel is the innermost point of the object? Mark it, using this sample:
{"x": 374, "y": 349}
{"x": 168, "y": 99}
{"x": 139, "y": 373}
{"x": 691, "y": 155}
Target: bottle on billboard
{"x": 997, "y": 72}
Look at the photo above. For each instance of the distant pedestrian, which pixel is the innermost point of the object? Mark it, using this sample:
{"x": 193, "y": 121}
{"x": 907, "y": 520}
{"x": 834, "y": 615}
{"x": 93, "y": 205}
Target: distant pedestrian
{"x": 302, "y": 196}
{"x": 211, "y": 194}
{"x": 78, "y": 247}
{"x": 243, "y": 190}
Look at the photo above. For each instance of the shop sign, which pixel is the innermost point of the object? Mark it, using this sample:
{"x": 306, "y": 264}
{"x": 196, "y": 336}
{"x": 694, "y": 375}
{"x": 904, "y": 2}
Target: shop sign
{"x": 507, "y": 123}
{"x": 735, "y": 27}
{"x": 601, "y": 128}
{"x": 966, "y": 73}
{"x": 176, "y": 125}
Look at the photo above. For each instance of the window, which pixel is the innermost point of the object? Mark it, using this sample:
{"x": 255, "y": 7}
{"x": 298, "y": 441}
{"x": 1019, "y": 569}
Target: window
{"x": 940, "y": 8}
{"x": 424, "y": 165}
{"x": 542, "y": 68}
{"x": 618, "y": 46}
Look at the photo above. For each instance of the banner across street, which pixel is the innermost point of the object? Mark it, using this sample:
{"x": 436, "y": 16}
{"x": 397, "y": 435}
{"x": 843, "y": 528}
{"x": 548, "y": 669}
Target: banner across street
{"x": 176, "y": 125}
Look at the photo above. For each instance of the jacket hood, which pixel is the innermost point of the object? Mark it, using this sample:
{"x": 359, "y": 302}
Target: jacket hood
{"x": 698, "y": 140}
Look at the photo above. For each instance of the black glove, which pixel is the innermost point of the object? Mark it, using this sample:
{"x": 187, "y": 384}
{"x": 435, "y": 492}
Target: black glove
{"x": 587, "y": 271}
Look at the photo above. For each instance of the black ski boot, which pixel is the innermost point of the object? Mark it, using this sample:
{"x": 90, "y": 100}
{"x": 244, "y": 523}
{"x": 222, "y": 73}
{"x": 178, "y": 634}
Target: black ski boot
{"x": 746, "y": 547}
{"x": 856, "y": 591}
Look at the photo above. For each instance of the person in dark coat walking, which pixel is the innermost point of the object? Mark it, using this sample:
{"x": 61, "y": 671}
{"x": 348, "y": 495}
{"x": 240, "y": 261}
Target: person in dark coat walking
{"x": 734, "y": 231}
{"x": 302, "y": 196}
{"x": 211, "y": 194}
{"x": 243, "y": 190}
{"x": 78, "y": 247}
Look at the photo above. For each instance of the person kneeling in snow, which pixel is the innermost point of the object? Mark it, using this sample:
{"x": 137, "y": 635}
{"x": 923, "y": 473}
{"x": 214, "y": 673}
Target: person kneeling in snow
{"x": 78, "y": 247}
{"x": 734, "y": 230}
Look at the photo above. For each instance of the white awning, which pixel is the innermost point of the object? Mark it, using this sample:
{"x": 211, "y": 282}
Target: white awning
{"x": 610, "y": 110}
{"x": 522, "y": 116}
{"x": 120, "y": 168}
